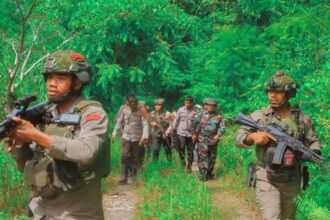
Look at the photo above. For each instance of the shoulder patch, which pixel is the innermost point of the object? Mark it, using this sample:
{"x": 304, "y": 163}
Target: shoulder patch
{"x": 92, "y": 117}
{"x": 308, "y": 120}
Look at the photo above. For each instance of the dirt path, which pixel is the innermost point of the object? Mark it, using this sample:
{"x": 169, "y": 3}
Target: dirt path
{"x": 121, "y": 203}
{"x": 230, "y": 204}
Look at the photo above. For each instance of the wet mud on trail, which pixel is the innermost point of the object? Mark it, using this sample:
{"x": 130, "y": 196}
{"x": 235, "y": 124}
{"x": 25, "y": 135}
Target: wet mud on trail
{"x": 120, "y": 203}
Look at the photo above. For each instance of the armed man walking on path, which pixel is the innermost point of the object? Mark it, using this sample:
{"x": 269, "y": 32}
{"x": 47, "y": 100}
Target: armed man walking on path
{"x": 160, "y": 122}
{"x": 65, "y": 159}
{"x": 182, "y": 124}
{"x": 278, "y": 185}
{"x": 134, "y": 126}
{"x": 209, "y": 126}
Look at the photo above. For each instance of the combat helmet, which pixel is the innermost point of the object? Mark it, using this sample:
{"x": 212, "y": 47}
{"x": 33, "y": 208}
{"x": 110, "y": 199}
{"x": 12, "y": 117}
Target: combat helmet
{"x": 281, "y": 82}
{"x": 68, "y": 62}
{"x": 210, "y": 101}
{"x": 159, "y": 101}
{"x": 205, "y": 101}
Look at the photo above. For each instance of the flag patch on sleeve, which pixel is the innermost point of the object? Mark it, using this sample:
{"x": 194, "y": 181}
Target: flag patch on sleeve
{"x": 92, "y": 117}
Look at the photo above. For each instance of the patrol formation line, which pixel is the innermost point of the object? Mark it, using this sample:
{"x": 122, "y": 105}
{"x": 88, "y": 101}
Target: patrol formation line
{"x": 65, "y": 153}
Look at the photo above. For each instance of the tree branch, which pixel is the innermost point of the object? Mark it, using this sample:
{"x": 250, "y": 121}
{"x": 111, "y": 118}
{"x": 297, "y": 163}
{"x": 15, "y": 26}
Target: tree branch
{"x": 21, "y": 42}
{"x": 42, "y": 58}
{"x": 29, "y": 52}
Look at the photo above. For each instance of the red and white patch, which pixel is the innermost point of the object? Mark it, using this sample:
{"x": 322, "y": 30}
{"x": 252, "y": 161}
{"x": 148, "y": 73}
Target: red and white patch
{"x": 308, "y": 121}
{"x": 92, "y": 117}
{"x": 77, "y": 56}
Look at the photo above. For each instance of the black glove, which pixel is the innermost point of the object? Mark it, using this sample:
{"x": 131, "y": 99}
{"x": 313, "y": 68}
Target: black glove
{"x": 317, "y": 151}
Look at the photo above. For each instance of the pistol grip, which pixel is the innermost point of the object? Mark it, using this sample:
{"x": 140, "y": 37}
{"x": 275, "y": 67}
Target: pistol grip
{"x": 278, "y": 156}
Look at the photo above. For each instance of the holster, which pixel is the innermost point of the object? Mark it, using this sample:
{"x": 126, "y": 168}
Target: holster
{"x": 251, "y": 177}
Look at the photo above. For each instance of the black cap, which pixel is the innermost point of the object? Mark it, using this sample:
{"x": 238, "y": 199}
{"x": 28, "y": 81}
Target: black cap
{"x": 189, "y": 98}
{"x": 130, "y": 97}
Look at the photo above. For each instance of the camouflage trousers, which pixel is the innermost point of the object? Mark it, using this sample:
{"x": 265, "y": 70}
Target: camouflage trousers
{"x": 206, "y": 157}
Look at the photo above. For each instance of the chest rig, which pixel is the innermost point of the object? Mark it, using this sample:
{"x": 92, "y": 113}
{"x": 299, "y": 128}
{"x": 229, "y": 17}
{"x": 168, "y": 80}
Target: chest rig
{"x": 47, "y": 176}
{"x": 160, "y": 118}
{"x": 292, "y": 125}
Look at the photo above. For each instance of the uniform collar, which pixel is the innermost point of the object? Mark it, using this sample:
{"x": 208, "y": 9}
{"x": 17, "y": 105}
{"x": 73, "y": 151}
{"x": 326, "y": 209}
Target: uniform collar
{"x": 80, "y": 98}
{"x": 191, "y": 109}
{"x": 270, "y": 110}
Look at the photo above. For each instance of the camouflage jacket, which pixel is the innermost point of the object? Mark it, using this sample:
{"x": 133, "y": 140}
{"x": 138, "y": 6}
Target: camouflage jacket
{"x": 208, "y": 125}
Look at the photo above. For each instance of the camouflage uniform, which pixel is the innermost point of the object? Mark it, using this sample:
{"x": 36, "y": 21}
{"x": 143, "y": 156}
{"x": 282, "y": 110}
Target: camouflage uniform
{"x": 158, "y": 134}
{"x": 65, "y": 179}
{"x": 276, "y": 188}
{"x": 206, "y": 126}
{"x": 134, "y": 127}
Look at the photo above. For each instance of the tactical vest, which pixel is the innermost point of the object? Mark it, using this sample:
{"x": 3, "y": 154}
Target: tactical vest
{"x": 47, "y": 176}
{"x": 291, "y": 164}
{"x": 160, "y": 119}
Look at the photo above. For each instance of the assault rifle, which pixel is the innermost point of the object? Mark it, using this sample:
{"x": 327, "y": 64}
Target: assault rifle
{"x": 283, "y": 141}
{"x": 33, "y": 114}
{"x": 162, "y": 130}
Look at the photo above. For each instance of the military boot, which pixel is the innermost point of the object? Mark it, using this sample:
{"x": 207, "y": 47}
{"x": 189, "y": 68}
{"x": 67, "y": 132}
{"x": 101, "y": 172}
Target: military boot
{"x": 124, "y": 174}
{"x": 202, "y": 174}
{"x": 210, "y": 175}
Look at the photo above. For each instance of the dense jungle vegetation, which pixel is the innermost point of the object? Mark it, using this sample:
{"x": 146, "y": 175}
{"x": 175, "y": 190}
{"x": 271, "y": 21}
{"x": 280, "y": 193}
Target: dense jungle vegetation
{"x": 171, "y": 48}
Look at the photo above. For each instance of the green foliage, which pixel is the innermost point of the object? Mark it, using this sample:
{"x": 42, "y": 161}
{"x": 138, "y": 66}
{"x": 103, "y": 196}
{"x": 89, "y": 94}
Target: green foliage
{"x": 170, "y": 193}
{"x": 311, "y": 210}
{"x": 221, "y": 49}
{"x": 13, "y": 194}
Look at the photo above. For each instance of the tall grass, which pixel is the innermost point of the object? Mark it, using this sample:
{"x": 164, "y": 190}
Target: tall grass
{"x": 170, "y": 193}
{"x": 13, "y": 193}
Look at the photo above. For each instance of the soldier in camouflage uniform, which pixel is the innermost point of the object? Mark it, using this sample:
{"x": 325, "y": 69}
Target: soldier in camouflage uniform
{"x": 64, "y": 162}
{"x": 278, "y": 185}
{"x": 208, "y": 127}
{"x": 160, "y": 123}
{"x": 134, "y": 126}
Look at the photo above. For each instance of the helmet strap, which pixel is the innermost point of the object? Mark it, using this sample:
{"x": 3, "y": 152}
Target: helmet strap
{"x": 281, "y": 104}
{"x": 67, "y": 95}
